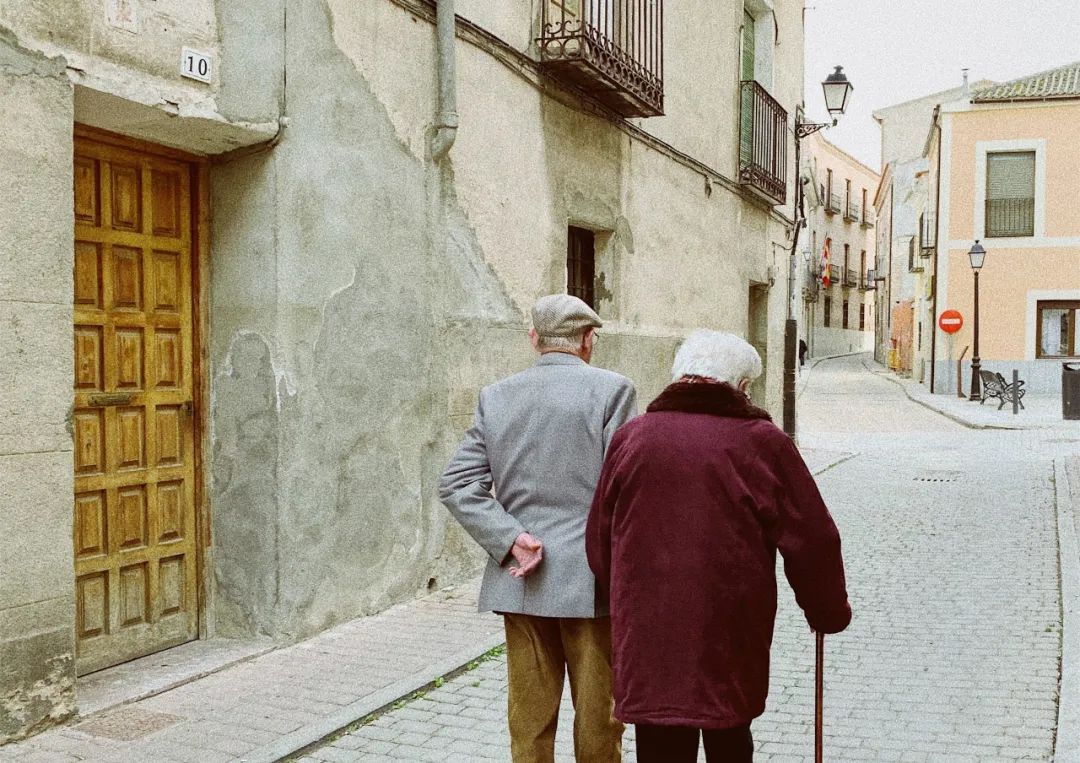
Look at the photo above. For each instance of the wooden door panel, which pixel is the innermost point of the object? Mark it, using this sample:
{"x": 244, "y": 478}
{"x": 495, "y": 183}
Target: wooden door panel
{"x": 134, "y": 514}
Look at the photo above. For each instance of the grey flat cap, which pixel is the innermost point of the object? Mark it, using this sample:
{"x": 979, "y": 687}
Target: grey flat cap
{"x": 563, "y": 315}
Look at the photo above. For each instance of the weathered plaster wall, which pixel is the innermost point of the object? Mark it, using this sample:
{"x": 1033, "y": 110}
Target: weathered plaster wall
{"x": 361, "y": 296}
{"x": 36, "y": 599}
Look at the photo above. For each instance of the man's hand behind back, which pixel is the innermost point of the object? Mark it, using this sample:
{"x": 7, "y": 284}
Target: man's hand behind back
{"x": 528, "y": 552}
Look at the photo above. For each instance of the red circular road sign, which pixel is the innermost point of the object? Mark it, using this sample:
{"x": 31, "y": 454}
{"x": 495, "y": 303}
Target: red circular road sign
{"x": 951, "y": 321}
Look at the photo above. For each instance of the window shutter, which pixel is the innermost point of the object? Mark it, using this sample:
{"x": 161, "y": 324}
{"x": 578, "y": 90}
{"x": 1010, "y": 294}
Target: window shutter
{"x": 1010, "y": 176}
{"x": 748, "y": 38}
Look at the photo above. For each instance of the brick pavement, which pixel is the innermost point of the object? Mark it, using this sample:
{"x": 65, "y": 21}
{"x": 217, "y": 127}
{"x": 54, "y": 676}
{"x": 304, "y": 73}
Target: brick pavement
{"x": 951, "y": 549}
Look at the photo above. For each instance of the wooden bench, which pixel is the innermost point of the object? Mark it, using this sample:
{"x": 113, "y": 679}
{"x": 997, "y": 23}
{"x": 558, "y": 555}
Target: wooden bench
{"x": 995, "y": 386}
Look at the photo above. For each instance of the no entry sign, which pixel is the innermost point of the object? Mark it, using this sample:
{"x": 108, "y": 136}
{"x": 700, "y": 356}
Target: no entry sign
{"x": 951, "y": 321}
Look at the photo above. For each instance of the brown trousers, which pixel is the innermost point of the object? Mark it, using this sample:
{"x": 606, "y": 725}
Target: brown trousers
{"x": 539, "y": 653}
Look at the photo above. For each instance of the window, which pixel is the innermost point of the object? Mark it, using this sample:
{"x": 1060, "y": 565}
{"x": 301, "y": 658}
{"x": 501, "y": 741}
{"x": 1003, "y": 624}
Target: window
{"x": 863, "y": 206}
{"x": 862, "y": 268}
{"x": 581, "y": 264}
{"x": 828, "y": 187}
{"x": 847, "y": 258}
{"x": 862, "y": 317}
{"x": 1010, "y": 193}
{"x": 1056, "y": 330}
{"x": 847, "y": 195}
{"x": 844, "y": 316}
{"x": 828, "y": 312}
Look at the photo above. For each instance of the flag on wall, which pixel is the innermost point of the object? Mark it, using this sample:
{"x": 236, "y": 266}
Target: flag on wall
{"x": 825, "y": 281}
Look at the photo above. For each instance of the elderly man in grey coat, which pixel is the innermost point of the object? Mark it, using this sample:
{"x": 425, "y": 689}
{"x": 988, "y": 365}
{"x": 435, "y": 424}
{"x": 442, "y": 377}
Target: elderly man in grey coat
{"x": 521, "y": 484}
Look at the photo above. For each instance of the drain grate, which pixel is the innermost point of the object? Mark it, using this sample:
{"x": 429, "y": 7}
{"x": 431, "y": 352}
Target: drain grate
{"x": 128, "y": 724}
{"x": 937, "y": 477}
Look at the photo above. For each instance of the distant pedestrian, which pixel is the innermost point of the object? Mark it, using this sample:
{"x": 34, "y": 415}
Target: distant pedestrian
{"x": 521, "y": 484}
{"x": 803, "y": 349}
{"x": 695, "y": 498}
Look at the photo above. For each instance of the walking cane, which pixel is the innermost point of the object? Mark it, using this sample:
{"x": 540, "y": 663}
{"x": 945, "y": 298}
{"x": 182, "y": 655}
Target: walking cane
{"x": 819, "y": 697}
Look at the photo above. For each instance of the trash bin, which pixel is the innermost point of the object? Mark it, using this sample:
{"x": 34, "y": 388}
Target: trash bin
{"x": 1070, "y": 391}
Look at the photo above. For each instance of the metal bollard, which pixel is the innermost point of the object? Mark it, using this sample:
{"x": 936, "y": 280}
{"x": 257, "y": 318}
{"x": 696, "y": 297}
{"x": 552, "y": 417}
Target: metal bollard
{"x": 1016, "y": 392}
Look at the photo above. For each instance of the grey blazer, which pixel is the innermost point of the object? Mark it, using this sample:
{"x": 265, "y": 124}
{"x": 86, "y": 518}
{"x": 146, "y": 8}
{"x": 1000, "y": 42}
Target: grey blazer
{"x": 538, "y": 442}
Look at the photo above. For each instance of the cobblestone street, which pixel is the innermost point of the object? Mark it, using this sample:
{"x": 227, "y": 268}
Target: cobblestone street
{"x": 950, "y": 539}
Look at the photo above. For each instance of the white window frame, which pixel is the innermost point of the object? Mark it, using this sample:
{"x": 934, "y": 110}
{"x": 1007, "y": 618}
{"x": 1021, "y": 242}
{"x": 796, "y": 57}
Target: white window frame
{"x": 984, "y": 147}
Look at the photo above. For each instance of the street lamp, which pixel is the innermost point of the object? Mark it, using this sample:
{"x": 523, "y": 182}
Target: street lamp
{"x": 837, "y": 90}
{"x": 976, "y": 256}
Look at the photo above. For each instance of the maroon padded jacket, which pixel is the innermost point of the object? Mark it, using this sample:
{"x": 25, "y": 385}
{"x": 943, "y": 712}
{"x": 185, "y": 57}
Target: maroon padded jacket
{"x": 695, "y": 498}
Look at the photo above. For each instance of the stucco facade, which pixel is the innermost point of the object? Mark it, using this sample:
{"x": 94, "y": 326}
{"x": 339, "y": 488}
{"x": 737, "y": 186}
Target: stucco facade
{"x": 836, "y": 214}
{"x": 1020, "y": 271}
{"x": 351, "y": 294}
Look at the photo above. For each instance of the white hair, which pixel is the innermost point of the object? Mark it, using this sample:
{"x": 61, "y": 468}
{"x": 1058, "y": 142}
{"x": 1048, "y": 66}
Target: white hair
{"x": 570, "y": 343}
{"x": 716, "y": 355}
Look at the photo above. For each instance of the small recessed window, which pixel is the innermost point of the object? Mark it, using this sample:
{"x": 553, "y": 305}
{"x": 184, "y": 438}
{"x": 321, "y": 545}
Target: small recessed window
{"x": 581, "y": 265}
{"x": 827, "y": 317}
{"x": 844, "y": 317}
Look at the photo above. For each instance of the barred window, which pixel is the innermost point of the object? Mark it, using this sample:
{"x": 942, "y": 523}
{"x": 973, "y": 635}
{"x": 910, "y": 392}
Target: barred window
{"x": 581, "y": 264}
{"x": 1010, "y": 194}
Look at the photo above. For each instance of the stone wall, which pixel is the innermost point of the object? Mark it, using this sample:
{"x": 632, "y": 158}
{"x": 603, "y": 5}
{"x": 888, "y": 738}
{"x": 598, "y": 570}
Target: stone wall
{"x": 37, "y": 672}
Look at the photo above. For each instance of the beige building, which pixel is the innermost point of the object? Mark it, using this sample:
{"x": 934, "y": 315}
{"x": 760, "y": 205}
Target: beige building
{"x": 837, "y": 318}
{"x": 303, "y": 234}
{"x": 1003, "y": 169}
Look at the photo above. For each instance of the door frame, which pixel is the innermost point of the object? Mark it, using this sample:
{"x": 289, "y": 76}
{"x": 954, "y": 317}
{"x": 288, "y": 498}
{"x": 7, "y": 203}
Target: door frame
{"x": 200, "y": 262}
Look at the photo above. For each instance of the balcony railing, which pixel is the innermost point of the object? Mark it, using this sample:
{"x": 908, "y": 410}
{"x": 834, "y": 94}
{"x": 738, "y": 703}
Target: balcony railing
{"x": 854, "y": 212}
{"x": 927, "y": 234}
{"x": 611, "y": 49}
{"x": 865, "y": 221}
{"x": 833, "y": 204}
{"x": 1010, "y": 217}
{"x": 851, "y": 278}
{"x": 763, "y": 143}
{"x": 866, "y": 281}
{"x": 834, "y": 275}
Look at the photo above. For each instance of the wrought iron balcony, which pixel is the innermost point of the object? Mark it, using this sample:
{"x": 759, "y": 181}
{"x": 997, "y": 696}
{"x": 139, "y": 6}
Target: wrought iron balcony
{"x": 812, "y": 285}
{"x": 1010, "y": 217}
{"x": 915, "y": 264}
{"x": 866, "y": 281}
{"x": 851, "y": 278}
{"x": 927, "y": 234}
{"x": 833, "y": 204}
{"x": 611, "y": 49}
{"x": 835, "y": 272}
{"x": 854, "y": 212}
{"x": 866, "y": 222}
{"x": 763, "y": 143}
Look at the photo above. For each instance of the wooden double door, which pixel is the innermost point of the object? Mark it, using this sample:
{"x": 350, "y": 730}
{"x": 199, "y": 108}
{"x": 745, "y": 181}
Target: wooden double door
{"x": 135, "y": 529}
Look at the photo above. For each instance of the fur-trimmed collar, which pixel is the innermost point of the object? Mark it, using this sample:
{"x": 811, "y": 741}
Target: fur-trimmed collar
{"x": 716, "y": 399}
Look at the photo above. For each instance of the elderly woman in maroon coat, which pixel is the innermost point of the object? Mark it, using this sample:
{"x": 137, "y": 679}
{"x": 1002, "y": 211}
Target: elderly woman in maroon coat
{"x": 695, "y": 498}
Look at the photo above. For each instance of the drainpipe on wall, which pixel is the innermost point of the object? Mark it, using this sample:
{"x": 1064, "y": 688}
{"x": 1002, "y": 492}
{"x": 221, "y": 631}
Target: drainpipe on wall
{"x": 937, "y": 248}
{"x": 446, "y": 121}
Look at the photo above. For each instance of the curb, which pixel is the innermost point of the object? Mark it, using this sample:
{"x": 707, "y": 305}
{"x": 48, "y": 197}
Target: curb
{"x": 804, "y": 378}
{"x": 314, "y": 733}
{"x": 951, "y": 416}
{"x": 1067, "y": 739}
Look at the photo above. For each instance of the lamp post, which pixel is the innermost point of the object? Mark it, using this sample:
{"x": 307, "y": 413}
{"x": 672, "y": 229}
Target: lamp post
{"x": 976, "y": 256}
{"x": 837, "y": 90}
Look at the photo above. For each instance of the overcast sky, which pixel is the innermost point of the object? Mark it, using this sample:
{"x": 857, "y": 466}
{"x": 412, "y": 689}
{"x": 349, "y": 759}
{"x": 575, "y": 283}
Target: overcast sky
{"x": 897, "y": 50}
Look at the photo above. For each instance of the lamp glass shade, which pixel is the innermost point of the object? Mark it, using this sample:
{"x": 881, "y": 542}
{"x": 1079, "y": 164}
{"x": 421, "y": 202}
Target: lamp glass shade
{"x": 977, "y": 256}
{"x": 837, "y": 89}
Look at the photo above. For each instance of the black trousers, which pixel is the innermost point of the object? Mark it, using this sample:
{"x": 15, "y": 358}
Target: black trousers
{"x": 679, "y": 744}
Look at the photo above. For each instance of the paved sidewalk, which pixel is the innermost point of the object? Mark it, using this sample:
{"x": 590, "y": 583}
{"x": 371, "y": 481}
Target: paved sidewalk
{"x": 1040, "y": 411}
{"x": 275, "y": 704}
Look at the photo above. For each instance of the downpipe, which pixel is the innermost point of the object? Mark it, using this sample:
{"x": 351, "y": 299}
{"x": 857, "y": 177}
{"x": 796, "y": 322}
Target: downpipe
{"x": 446, "y": 121}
